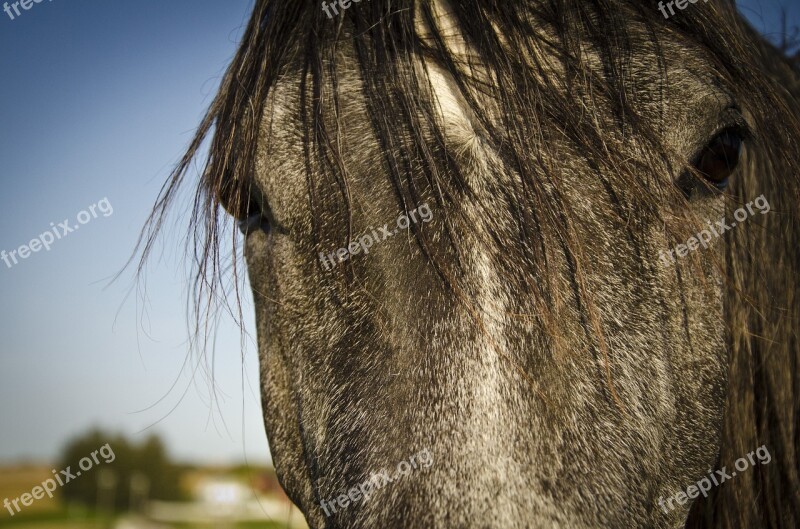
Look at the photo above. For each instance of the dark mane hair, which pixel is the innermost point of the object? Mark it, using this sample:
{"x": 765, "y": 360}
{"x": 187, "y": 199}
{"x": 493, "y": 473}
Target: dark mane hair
{"x": 763, "y": 264}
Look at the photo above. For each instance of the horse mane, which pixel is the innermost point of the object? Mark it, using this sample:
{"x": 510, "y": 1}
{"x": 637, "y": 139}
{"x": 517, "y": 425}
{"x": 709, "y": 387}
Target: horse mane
{"x": 762, "y": 262}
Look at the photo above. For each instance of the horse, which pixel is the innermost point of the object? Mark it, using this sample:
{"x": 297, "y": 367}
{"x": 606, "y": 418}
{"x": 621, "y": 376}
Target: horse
{"x": 598, "y": 316}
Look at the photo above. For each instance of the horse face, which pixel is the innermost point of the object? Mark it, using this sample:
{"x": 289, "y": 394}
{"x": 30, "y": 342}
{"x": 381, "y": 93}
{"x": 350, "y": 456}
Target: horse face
{"x": 501, "y": 391}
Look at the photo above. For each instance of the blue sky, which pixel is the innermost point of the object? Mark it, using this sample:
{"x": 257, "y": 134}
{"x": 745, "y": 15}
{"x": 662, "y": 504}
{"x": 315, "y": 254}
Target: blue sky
{"x": 97, "y": 100}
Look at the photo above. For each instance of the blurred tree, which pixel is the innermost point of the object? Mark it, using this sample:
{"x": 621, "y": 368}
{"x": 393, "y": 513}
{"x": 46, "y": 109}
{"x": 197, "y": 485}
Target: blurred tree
{"x": 124, "y": 475}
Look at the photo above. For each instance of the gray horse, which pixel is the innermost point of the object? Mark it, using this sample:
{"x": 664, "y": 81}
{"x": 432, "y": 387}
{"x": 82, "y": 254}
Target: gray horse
{"x": 516, "y": 263}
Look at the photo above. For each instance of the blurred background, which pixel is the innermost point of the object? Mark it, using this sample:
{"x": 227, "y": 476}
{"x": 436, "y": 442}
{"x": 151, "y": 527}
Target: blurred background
{"x": 97, "y": 101}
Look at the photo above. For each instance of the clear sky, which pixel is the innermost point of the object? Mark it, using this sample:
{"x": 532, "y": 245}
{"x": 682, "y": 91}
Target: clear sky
{"x": 97, "y": 100}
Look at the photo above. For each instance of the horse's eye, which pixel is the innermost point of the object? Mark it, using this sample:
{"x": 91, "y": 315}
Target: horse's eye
{"x": 253, "y": 222}
{"x": 253, "y": 218}
{"x": 719, "y": 159}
